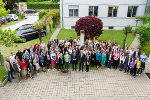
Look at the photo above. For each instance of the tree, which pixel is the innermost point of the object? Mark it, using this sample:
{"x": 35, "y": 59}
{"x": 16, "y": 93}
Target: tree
{"x": 126, "y": 30}
{"x": 39, "y": 27}
{"x": 92, "y": 26}
{"x": 3, "y": 11}
{"x": 7, "y": 38}
{"x": 10, "y": 4}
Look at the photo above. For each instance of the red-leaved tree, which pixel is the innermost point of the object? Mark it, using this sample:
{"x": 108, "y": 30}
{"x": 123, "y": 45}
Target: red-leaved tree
{"x": 92, "y": 26}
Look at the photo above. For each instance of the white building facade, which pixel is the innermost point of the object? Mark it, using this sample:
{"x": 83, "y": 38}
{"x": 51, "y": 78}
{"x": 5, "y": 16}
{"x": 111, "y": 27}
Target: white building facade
{"x": 115, "y": 14}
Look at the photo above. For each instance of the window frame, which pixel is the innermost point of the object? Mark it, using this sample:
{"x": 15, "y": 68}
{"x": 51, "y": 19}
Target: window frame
{"x": 93, "y": 11}
{"x": 132, "y": 11}
{"x": 112, "y": 12}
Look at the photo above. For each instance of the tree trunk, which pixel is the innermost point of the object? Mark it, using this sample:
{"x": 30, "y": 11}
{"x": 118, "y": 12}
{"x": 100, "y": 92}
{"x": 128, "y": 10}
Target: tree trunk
{"x": 1, "y": 59}
{"x": 40, "y": 36}
{"x": 50, "y": 28}
{"x": 124, "y": 41}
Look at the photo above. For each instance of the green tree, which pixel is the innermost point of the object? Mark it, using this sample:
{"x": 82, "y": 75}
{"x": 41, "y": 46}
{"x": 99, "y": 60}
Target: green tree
{"x": 11, "y": 4}
{"x": 3, "y": 11}
{"x": 7, "y": 38}
{"x": 126, "y": 30}
{"x": 39, "y": 27}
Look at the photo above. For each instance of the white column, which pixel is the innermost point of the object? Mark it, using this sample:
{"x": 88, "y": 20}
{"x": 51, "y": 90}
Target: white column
{"x": 82, "y": 35}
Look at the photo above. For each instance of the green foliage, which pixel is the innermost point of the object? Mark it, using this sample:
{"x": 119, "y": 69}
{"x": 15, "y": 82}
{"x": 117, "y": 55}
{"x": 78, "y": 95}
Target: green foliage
{"x": 3, "y": 11}
{"x": 21, "y": 15}
{"x": 36, "y": 0}
{"x": 128, "y": 29}
{"x": 145, "y": 18}
{"x": 3, "y": 73}
{"x": 42, "y": 5}
{"x": 8, "y": 37}
{"x": 144, "y": 31}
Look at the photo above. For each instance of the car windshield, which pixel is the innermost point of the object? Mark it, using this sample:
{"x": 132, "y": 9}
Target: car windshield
{"x": 24, "y": 27}
{"x": 9, "y": 15}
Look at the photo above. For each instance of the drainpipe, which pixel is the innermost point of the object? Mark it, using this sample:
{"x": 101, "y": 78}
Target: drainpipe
{"x": 62, "y": 14}
{"x": 146, "y": 7}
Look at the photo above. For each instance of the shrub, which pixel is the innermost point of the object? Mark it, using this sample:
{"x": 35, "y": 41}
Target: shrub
{"x": 92, "y": 26}
{"x": 145, "y": 18}
{"x": 42, "y": 5}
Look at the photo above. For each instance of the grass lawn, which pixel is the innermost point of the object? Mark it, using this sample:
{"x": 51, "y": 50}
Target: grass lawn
{"x": 11, "y": 23}
{"x": 107, "y": 35}
{"x": 3, "y": 73}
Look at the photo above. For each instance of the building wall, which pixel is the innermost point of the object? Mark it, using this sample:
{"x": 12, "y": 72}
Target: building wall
{"x": 118, "y": 22}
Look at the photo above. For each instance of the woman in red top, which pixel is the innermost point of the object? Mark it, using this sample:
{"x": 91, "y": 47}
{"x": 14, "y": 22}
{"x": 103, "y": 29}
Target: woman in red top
{"x": 24, "y": 68}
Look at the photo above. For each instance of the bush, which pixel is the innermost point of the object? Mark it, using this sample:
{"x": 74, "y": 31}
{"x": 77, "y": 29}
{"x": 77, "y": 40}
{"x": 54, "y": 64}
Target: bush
{"x": 128, "y": 29}
{"x": 42, "y": 5}
{"x": 52, "y": 12}
{"x": 144, "y": 31}
{"x": 145, "y": 18}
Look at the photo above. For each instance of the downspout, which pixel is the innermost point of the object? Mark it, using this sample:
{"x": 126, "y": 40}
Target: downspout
{"x": 146, "y": 7}
{"x": 62, "y": 15}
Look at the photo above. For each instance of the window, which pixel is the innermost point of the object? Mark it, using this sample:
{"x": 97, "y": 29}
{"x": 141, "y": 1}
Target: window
{"x": 110, "y": 27}
{"x": 132, "y": 11}
{"x": 73, "y": 11}
{"x": 112, "y": 11}
{"x": 93, "y": 10}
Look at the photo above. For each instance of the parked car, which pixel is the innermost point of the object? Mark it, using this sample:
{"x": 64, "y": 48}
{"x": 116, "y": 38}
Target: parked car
{"x": 2, "y": 20}
{"x": 26, "y": 32}
{"x": 30, "y": 11}
{"x": 11, "y": 17}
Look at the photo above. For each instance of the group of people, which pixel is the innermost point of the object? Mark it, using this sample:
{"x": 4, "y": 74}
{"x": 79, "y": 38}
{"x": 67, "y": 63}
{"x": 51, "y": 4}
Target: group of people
{"x": 62, "y": 53}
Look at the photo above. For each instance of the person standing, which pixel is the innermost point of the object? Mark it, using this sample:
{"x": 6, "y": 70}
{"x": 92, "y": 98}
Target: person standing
{"x": 18, "y": 68}
{"x": 122, "y": 60}
{"x": 48, "y": 60}
{"x": 81, "y": 60}
{"x": 132, "y": 65}
{"x": 74, "y": 59}
{"x": 116, "y": 59}
{"x": 103, "y": 59}
{"x": 24, "y": 68}
{"x": 93, "y": 58}
{"x": 142, "y": 66}
{"x": 127, "y": 63}
{"x": 36, "y": 46}
{"x": 137, "y": 67}
{"x": 57, "y": 60}
{"x": 19, "y": 54}
{"x": 61, "y": 61}
{"x": 98, "y": 58}
{"x": 42, "y": 61}
{"x": 53, "y": 60}
{"x": 67, "y": 60}
{"x": 87, "y": 61}
{"x": 36, "y": 63}
{"x": 143, "y": 57}
{"x": 9, "y": 68}
{"x": 110, "y": 59}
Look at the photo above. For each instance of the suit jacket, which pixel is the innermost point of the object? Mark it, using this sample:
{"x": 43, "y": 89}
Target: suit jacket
{"x": 61, "y": 61}
{"x": 93, "y": 56}
{"x": 135, "y": 54}
{"x": 81, "y": 59}
{"x": 87, "y": 61}
{"x": 74, "y": 57}
{"x": 7, "y": 65}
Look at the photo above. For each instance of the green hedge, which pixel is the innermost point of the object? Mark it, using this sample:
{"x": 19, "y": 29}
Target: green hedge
{"x": 42, "y": 13}
{"x": 42, "y": 5}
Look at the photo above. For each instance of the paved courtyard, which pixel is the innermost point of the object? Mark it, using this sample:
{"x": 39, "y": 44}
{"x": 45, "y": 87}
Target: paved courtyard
{"x": 94, "y": 85}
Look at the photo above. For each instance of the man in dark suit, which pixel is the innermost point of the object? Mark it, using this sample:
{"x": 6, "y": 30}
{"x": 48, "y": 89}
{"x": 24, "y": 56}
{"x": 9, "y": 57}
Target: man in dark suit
{"x": 19, "y": 54}
{"x": 93, "y": 58}
{"x": 74, "y": 59}
{"x": 136, "y": 52}
{"x": 61, "y": 61}
{"x": 81, "y": 60}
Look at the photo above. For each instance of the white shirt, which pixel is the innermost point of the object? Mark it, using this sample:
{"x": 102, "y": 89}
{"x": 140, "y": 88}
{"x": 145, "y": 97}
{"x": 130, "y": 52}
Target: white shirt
{"x": 12, "y": 58}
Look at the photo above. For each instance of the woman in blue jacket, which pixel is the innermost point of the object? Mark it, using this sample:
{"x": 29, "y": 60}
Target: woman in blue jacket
{"x": 98, "y": 58}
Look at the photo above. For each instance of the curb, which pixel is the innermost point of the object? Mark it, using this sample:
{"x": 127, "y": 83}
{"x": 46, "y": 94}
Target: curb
{"x": 4, "y": 82}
